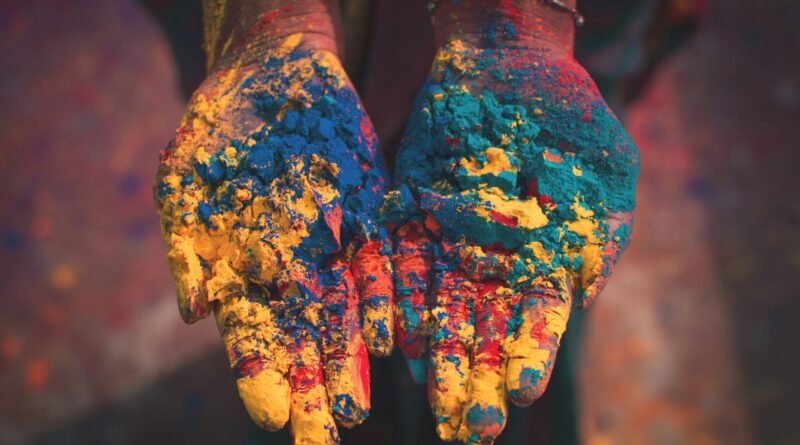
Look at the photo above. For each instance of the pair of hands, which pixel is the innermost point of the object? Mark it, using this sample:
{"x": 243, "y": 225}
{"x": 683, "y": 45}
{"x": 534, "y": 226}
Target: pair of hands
{"x": 513, "y": 191}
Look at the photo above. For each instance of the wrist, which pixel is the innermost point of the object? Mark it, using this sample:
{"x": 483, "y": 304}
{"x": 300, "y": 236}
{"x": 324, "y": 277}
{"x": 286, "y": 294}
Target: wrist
{"x": 505, "y": 23}
{"x": 240, "y": 32}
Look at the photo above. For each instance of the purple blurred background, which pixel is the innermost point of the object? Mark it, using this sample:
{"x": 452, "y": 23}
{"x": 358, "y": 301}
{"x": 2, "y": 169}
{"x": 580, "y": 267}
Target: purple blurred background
{"x": 693, "y": 342}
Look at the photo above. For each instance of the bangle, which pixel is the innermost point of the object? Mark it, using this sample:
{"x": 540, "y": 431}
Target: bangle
{"x": 577, "y": 17}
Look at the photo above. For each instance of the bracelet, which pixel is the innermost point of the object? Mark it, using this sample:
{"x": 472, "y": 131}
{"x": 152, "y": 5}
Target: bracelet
{"x": 577, "y": 17}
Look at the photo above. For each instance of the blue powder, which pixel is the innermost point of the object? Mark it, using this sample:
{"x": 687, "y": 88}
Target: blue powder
{"x": 418, "y": 367}
{"x": 343, "y": 408}
{"x": 528, "y": 379}
{"x": 485, "y": 416}
{"x": 329, "y": 126}
{"x": 450, "y": 123}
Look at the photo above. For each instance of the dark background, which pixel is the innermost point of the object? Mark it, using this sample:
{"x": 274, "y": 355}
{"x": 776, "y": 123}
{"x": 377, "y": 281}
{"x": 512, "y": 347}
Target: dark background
{"x": 694, "y": 341}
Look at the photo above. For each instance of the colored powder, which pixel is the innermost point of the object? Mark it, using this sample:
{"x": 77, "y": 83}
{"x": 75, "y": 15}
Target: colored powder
{"x": 519, "y": 174}
{"x": 262, "y": 226}
{"x": 566, "y": 165}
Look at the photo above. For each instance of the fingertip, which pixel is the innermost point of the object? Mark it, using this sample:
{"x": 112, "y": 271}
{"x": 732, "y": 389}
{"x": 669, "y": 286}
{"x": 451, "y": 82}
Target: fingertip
{"x": 485, "y": 422}
{"x": 486, "y": 413}
{"x": 418, "y": 368}
{"x": 447, "y": 411}
{"x": 346, "y": 363}
{"x": 310, "y": 412}
{"x": 447, "y": 391}
{"x": 192, "y": 312}
{"x": 193, "y": 304}
{"x": 446, "y": 431}
{"x": 525, "y": 382}
{"x": 346, "y": 411}
{"x": 312, "y": 422}
{"x": 450, "y": 354}
{"x": 588, "y": 295}
{"x": 593, "y": 273}
{"x": 247, "y": 331}
{"x": 266, "y": 398}
{"x": 532, "y": 351}
{"x": 347, "y": 379}
{"x": 188, "y": 275}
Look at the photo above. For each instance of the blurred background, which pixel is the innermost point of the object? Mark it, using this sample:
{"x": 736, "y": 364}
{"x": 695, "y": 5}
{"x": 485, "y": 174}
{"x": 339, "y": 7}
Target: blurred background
{"x": 693, "y": 342}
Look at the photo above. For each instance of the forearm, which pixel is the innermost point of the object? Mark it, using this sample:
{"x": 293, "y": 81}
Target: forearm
{"x": 240, "y": 30}
{"x": 505, "y": 23}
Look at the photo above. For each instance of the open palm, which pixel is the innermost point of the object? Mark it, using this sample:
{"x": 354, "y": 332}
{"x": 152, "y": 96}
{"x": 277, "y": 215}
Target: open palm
{"x": 267, "y": 199}
{"x": 515, "y": 187}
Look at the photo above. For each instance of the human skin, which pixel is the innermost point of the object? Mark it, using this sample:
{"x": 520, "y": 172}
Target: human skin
{"x": 514, "y": 195}
{"x": 267, "y": 197}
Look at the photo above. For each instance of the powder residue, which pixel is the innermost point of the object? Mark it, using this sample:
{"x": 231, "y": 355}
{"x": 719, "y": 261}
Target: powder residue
{"x": 268, "y": 200}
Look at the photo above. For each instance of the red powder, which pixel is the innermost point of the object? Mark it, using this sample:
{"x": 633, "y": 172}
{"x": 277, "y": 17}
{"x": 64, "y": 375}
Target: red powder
{"x": 510, "y": 221}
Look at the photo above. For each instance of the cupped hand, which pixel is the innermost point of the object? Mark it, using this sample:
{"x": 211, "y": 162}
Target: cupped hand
{"x": 515, "y": 190}
{"x": 267, "y": 197}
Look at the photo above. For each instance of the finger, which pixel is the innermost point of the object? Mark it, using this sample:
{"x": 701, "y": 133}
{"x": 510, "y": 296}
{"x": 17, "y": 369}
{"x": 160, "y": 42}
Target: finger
{"x": 189, "y": 276}
{"x": 345, "y": 356}
{"x": 251, "y": 339}
{"x": 599, "y": 261}
{"x": 532, "y": 350}
{"x": 450, "y": 342}
{"x": 311, "y": 419}
{"x": 412, "y": 263}
{"x": 372, "y": 271}
{"x": 486, "y": 412}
